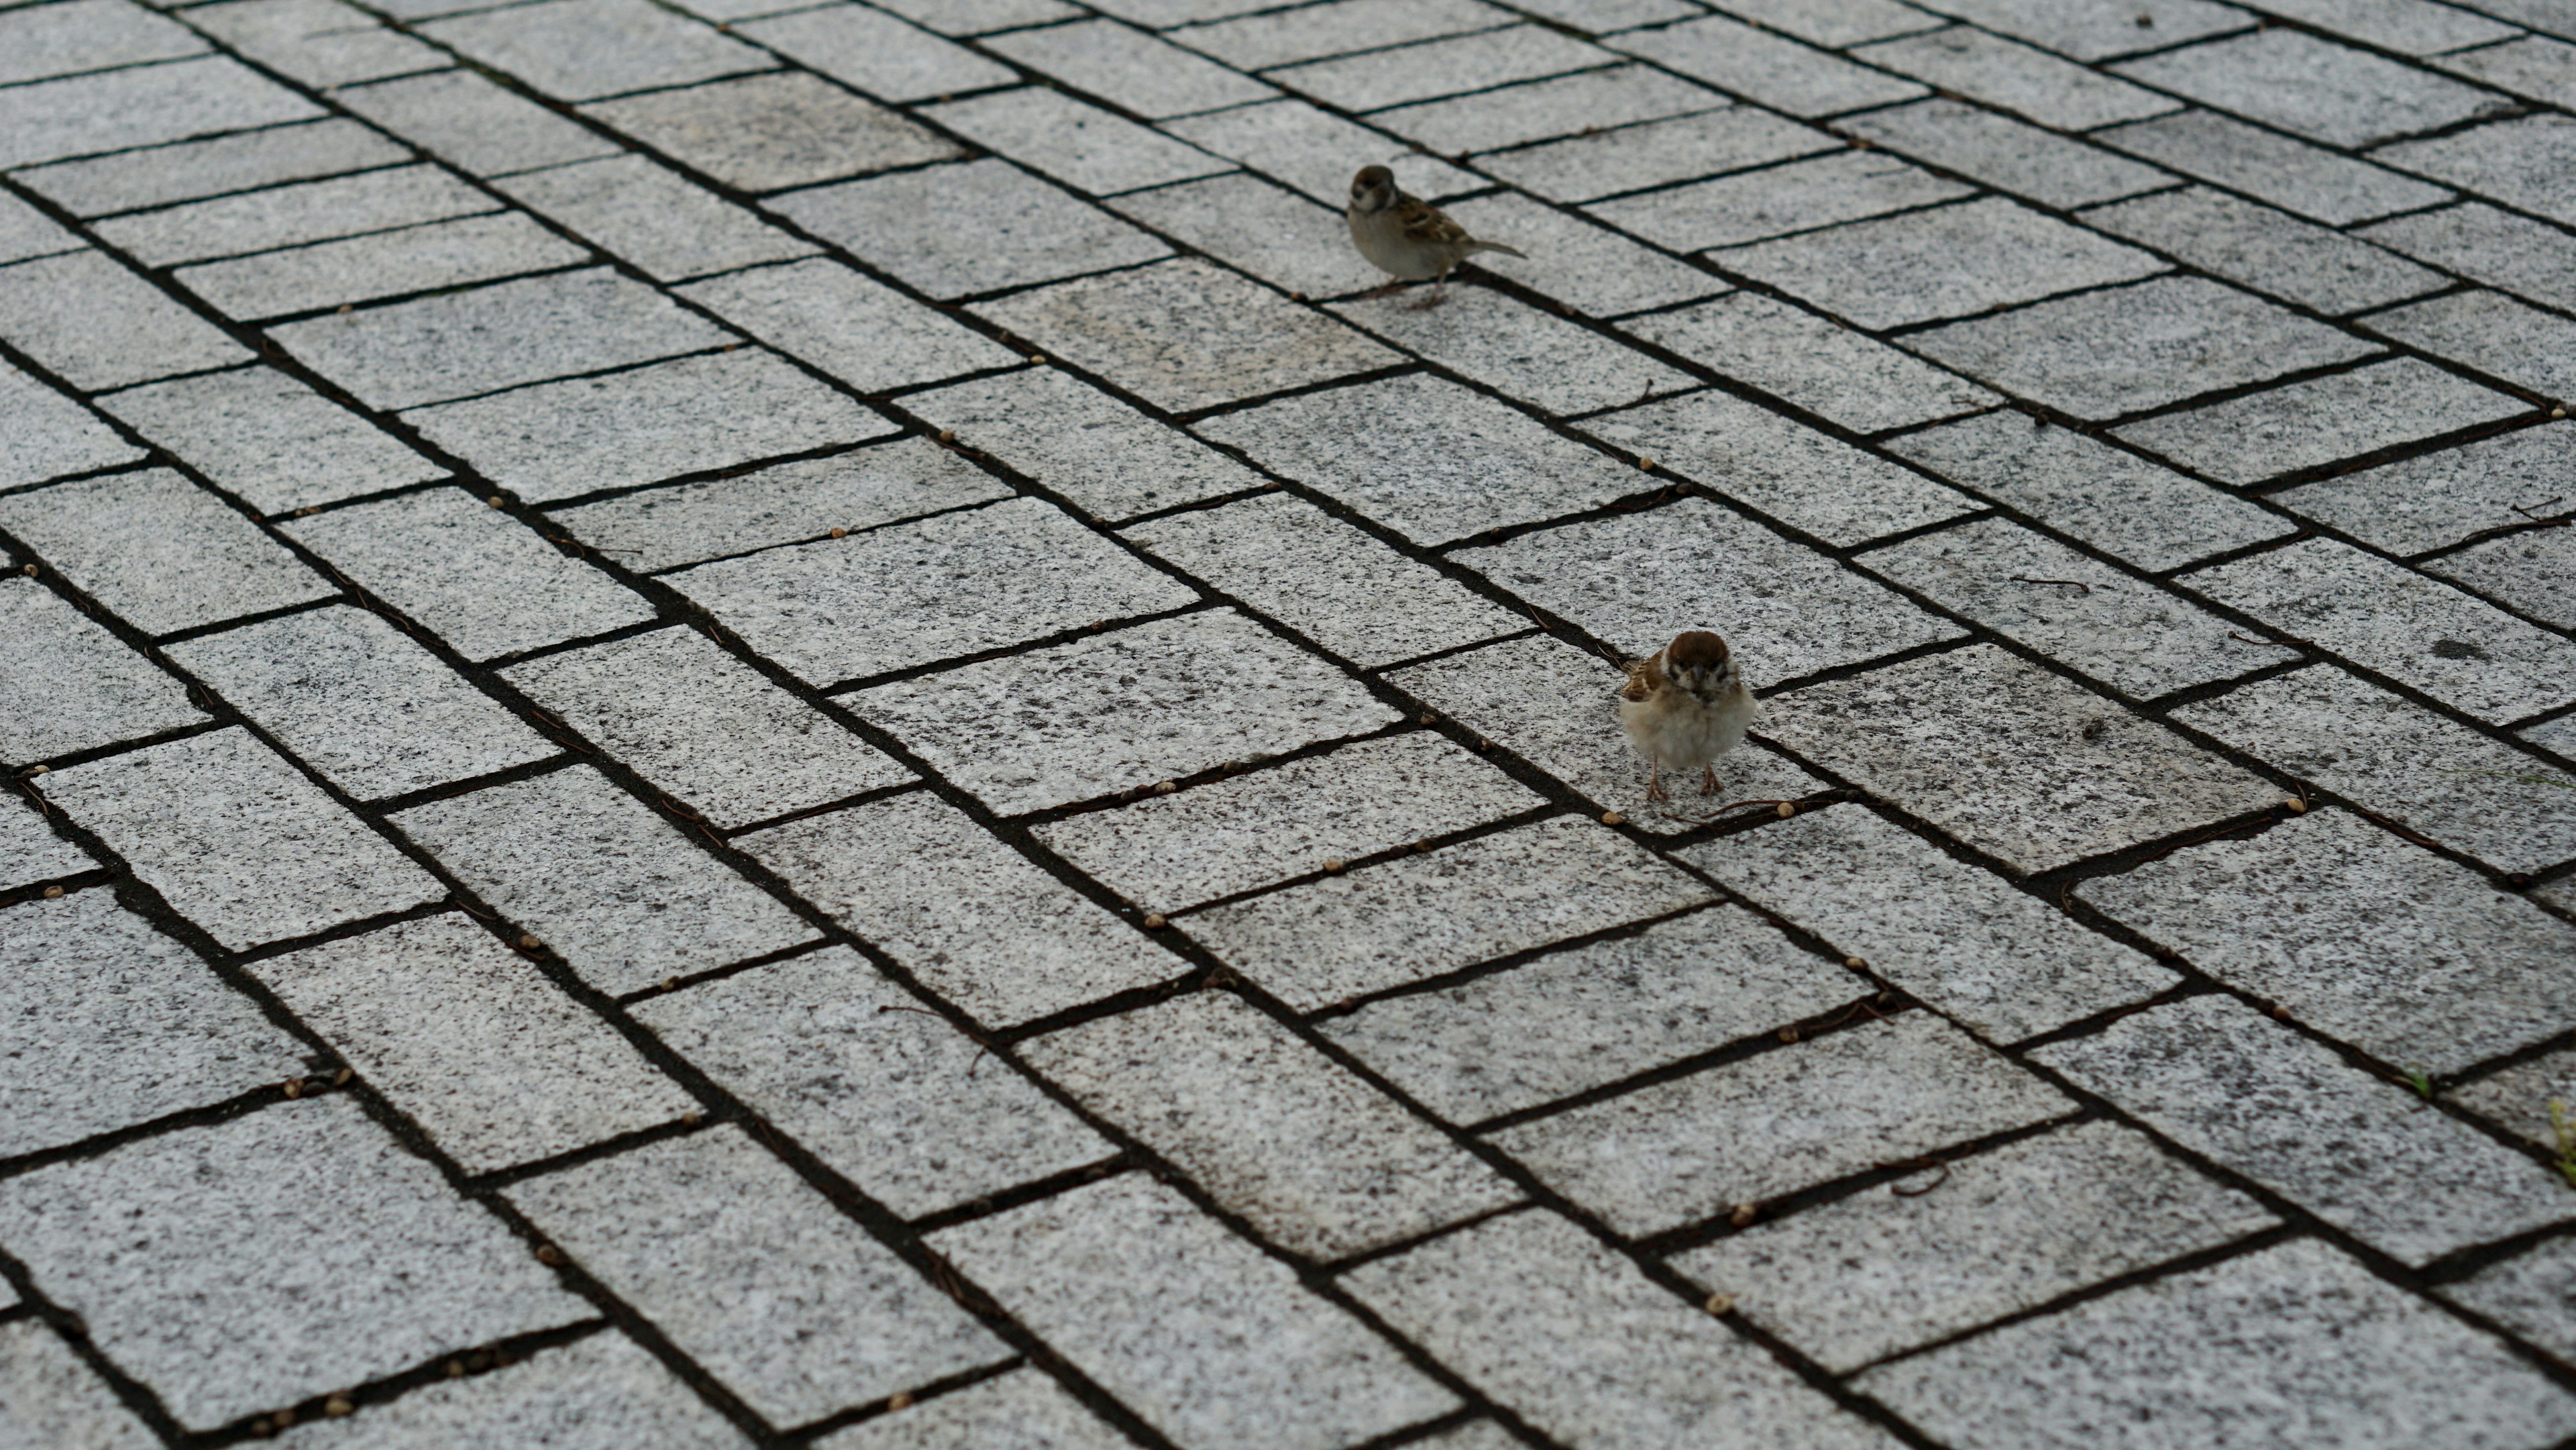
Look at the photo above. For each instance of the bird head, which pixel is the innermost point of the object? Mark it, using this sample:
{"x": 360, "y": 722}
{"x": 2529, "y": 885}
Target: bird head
{"x": 1373, "y": 189}
{"x": 1699, "y": 662}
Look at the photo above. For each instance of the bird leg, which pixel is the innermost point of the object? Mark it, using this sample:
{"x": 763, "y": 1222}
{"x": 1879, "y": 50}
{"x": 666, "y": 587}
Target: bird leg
{"x": 1439, "y": 294}
{"x": 1708, "y": 780}
{"x": 1655, "y": 782}
{"x": 1393, "y": 285}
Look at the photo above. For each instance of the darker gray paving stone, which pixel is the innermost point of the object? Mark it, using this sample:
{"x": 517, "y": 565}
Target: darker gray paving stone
{"x": 1586, "y": 102}
{"x": 1578, "y": 1342}
{"x": 489, "y": 338}
{"x": 2005, "y": 153}
{"x": 474, "y": 123}
{"x": 268, "y": 439}
{"x": 2267, "y": 250}
{"x": 1019, "y": 1407}
{"x": 96, "y": 325}
{"x": 2525, "y": 163}
{"x": 52, "y": 1398}
{"x": 483, "y": 581}
{"x": 1801, "y": 196}
{"x": 1309, "y": 149}
{"x": 1527, "y": 353}
{"x": 877, "y": 1086}
{"x": 66, "y": 684}
{"x": 87, "y": 35}
{"x": 120, "y": 109}
{"x": 1631, "y": 579}
{"x": 2049, "y": 89}
{"x": 1994, "y": 958}
{"x": 30, "y": 852}
{"x": 384, "y": 264}
{"x": 2312, "y": 424}
{"x": 2312, "y": 86}
{"x": 1863, "y": 1277}
{"x": 1629, "y": 158}
{"x": 1130, "y": 69}
{"x": 1943, "y": 262}
{"x": 851, "y": 326}
{"x": 876, "y": 53}
{"x": 1080, "y": 442}
{"x": 1256, "y": 42}
{"x": 1812, "y": 362}
{"x": 1157, "y": 1303}
{"x": 360, "y": 701}
{"x": 2126, "y": 349}
{"x": 2441, "y": 498}
{"x": 652, "y": 217}
{"x": 2295, "y": 1346}
{"x": 2325, "y": 185}
{"x": 46, "y": 435}
{"x": 599, "y": 1392}
{"x": 1080, "y": 145}
{"x": 789, "y": 503}
{"x": 1770, "y": 69}
{"x": 755, "y": 1275}
{"x": 320, "y": 42}
{"x": 2533, "y": 573}
{"x": 1420, "y": 72}
{"x": 159, "y": 175}
{"x": 2408, "y": 29}
{"x": 764, "y": 132}
{"x": 2516, "y": 254}
{"x": 351, "y": 1257}
{"x": 159, "y": 551}
{"x": 2011, "y": 759}
{"x": 1030, "y": 231}
{"x": 2492, "y": 333}
{"x": 128, "y": 1025}
{"x": 2220, "y": 1079}
{"x": 611, "y": 887}
{"x": 690, "y": 415}
{"x": 2370, "y": 939}
{"x": 1248, "y": 223}
{"x": 580, "y": 50}
{"x": 1589, "y": 268}
{"x": 2528, "y": 1294}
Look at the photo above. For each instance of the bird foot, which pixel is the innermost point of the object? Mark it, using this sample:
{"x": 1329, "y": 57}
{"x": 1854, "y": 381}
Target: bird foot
{"x": 1708, "y": 780}
{"x": 1427, "y": 303}
{"x": 1392, "y": 287}
{"x": 1655, "y": 787}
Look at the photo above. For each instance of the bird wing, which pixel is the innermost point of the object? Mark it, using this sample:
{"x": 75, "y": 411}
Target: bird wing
{"x": 1643, "y": 679}
{"x": 1423, "y": 222}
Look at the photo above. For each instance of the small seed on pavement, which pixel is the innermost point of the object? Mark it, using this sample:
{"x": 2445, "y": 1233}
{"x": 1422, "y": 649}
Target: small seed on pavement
{"x": 1743, "y": 1215}
{"x": 52, "y": 891}
{"x": 1154, "y": 921}
{"x": 1611, "y": 818}
{"x": 1164, "y": 787}
{"x": 530, "y": 943}
{"x": 337, "y": 1406}
{"x": 549, "y": 1255}
{"x": 1788, "y": 809}
{"x": 1856, "y": 964}
{"x": 1719, "y": 1303}
{"x": 899, "y": 1400}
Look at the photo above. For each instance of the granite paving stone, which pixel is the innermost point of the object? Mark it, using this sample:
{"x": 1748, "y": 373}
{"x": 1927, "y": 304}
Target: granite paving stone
{"x": 2005, "y": 153}
{"x": 160, "y": 552}
{"x": 30, "y": 852}
{"x": 1814, "y": 363}
{"x": 2533, "y": 66}
{"x": 2409, "y": 27}
{"x": 319, "y": 42}
{"x": 2218, "y": 1078}
{"x": 970, "y": 17}
{"x": 26, "y": 232}
{"x": 787, "y": 1302}
{"x": 2523, "y": 163}
{"x": 1081, "y": 145}
{"x": 2512, "y": 253}
{"x": 126, "y": 1025}
{"x": 1622, "y": 159}
{"x": 1575, "y": 1339}
{"x": 306, "y": 1218}
{"x": 1258, "y": 227}
{"x": 2326, "y": 186}
{"x": 599, "y": 1392}
{"x": 1521, "y": 351}
{"x": 1584, "y": 102}
{"x": 849, "y": 325}
{"x": 52, "y": 1398}
{"x": 44, "y": 435}
{"x": 1993, "y": 958}
{"x": 427, "y": 258}
{"x": 880, "y": 1089}
{"x": 651, "y": 216}
{"x": 1080, "y": 442}
{"x": 2048, "y": 89}
{"x": 1021, "y": 1407}
{"x": 2438, "y": 499}
{"x": 1282, "y": 37}
{"x": 1605, "y": 16}
{"x": 1308, "y": 148}
{"x": 2308, "y": 85}
{"x": 1130, "y": 69}
{"x": 2527, "y": 1294}
{"x": 1946, "y": 261}
{"x": 67, "y": 684}
{"x": 875, "y": 52}
{"x": 1770, "y": 69}
{"x": 2266, "y": 250}
{"x": 96, "y": 325}
{"x": 2530, "y": 573}
{"x": 1589, "y": 267}
{"x": 1835, "y": 24}
{"x": 1433, "y": 68}
{"x": 1032, "y": 230}
{"x": 1677, "y": 1151}
{"x": 269, "y": 440}
{"x": 145, "y": 105}
{"x": 579, "y": 50}
{"x": 1800, "y": 196}
{"x": 765, "y": 132}
{"x": 2323, "y": 421}
{"x": 789, "y": 503}
{"x": 1021, "y": 947}
{"x": 472, "y": 122}
{"x": 1198, "y": 1332}
{"x": 2517, "y": 1098}
{"x": 1862, "y": 1277}
{"x": 88, "y": 35}
{"x": 2492, "y": 333}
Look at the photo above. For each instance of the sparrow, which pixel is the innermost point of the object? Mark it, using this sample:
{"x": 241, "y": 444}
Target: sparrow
{"x": 1686, "y": 705}
{"x": 1408, "y": 237}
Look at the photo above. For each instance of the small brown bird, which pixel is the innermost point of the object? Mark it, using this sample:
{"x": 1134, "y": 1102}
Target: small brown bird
{"x": 1686, "y": 705}
{"x": 1408, "y": 237}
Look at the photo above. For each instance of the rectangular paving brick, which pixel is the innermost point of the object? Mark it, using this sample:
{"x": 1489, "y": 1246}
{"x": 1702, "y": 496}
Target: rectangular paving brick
{"x": 652, "y": 217}
{"x": 286, "y": 216}
{"x": 2498, "y": 248}
{"x": 1942, "y": 262}
{"x": 96, "y": 325}
{"x": 1800, "y": 196}
{"x": 2006, "y": 154}
{"x": 766, "y": 132}
{"x": 2326, "y": 186}
{"x": 26, "y": 232}
{"x": 120, "y": 109}
{"x": 268, "y": 439}
{"x": 55, "y": 1399}
{"x": 875, "y": 52}
{"x": 907, "y": 223}
{"x": 2439, "y": 499}
{"x": 161, "y": 552}
{"x": 474, "y": 123}
{"x": 1130, "y": 69}
{"x": 1254, "y": 226}
{"x": 596, "y": 1393}
{"x": 46, "y": 435}
{"x": 1255, "y": 42}
{"x": 1521, "y": 351}
{"x": 186, "y": 170}
{"x": 384, "y": 264}
{"x": 65, "y": 39}
{"x": 2322, "y": 421}
{"x": 66, "y": 684}
{"x": 849, "y": 325}
{"x": 1771, "y": 69}
{"x": 2526, "y": 1294}
{"x": 1080, "y": 442}
{"x": 1383, "y": 78}
{"x": 1585, "y": 102}
{"x": 788, "y": 503}
{"x": 2522, "y": 163}
{"x": 581, "y": 49}
{"x": 2311, "y": 86}
{"x": 1309, "y": 148}
{"x": 2530, "y": 572}
{"x": 1589, "y": 268}
{"x": 30, "y": 852}
{"x": 2048, "y": 89}
{"x": 2269, "y": 251}
{"x": 1633, "y": 158}
{"x": 1021, "y": 1404}
{"x": 2492, "y": 333}
{"x": 1082, "y": 146}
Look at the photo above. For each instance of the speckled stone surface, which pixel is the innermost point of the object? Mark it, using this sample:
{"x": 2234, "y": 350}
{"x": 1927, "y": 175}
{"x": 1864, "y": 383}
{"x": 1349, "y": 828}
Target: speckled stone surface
{"x": 160, "y": 551}
{"x": 789, "y": 503}
{"x": 70, "y": 685}
{"x": 595, "y": 1393}
{"x": 1022, "y": 1406}
{"x": 268, "y": 439}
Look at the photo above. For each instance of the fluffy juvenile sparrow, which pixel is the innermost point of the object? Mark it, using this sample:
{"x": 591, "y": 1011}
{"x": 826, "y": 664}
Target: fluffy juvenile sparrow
{"x": 1406, "y": 236}
{"x": 1686, "y": 705}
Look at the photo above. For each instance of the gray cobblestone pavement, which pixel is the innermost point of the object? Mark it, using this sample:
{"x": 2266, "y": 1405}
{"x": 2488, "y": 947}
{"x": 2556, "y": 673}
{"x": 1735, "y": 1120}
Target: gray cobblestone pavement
{"x": 738, "y": 724}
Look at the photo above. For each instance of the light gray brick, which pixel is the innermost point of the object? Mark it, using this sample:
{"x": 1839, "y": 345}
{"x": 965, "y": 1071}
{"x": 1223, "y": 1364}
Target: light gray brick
{"x": 764, "y": 132}
{"x": 2533, "y": 67}
{"x": 1248, "y": 223}
{"x": 474, "y": 123}
{"x": 2409, "y": 27}
{"x": 1842, "y": 186}
{"x": 1944, "y": 262}
{"x": 49, "y": 1397}
{"x": 159, "y": 551}
{"x": 46, "y": 435}
{"x": 2514, "y": 254}
{"x": 30, "y": 852}
{"x": 875, "y": 52}
{"x": 26, "y": 232}
{"x": 1080, "y": 145}
{"x": 1771, "y": 69}
{"x": 386, "y": 264}
{"x": 969, "y": 17}
{"x": 2314, "y": 182}
{"x": 1130, "y": 69}
{"x": 2523, "y": 163}
{"x": 1255, "y": 42}
{"x": 1080, "y": 442}
{"x": 87, "y": 35}
{"x": 96, "y": 325}
{"x": 269, "y": 440}
{"x": 597, "y": 1393}
{"x": 70, "y": 685}
{"x": 2045, "y": 88}
{"x": 2322, "y": 421}
{"x": 908, "y": 224}
{"x": 2527, "y": 1294}
{"x": 1020, "y": 1407}
{"x": 319, "y": 42}
{"x": 2517, "y": 1098}
{"x": 796, "y": 502}
{"x": 1817, "y": 364}
{"x": 1585, "y": 102}
{"x": 580, "y": 50}
{"x": 1589, "y": 268}
{"x": 1435, "y": 68}
{"x": 2267, "y": 250}
{"x": 118, "y": 110}
{"x": 2492, "y": 333}
{"x": 1521, "y": 351}
{"x": 2004, "y": 153}
{"x": 1631, "y": 158}
{"x": 1835, "y": 24}
{"x": 2440, "y": 498}
{"x": 849, "y": 325}
{"x": 2529, "y": 572}
{"x": 2098, "y": 29}
{"x": 2311, "y": 86}
{"x": 649, "y": 215}
{"x": 1310, "y": 149}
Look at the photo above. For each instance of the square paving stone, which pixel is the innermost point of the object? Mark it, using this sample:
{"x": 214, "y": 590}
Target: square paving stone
{"x": 1080, "y": 442}
{"x": 613, "y": 888}
{"x": 1805, "y": 478}
{"x": 2313, "y": 87}
{"x": 755, "y": 1275}
{"x": 1589, "y": 268}
{"x": 848, "y": 324}
{"x": 159, "y": 551}
{"x": 286, "y": 216}
{"x": 1027, "y": 229}
{"x": 1169, "y": 852}
{"x": 88, "y": 35}
{"x": 876, "y": 53}
{"x": 1520, "y": 351}
{"x": 1988, "y": 955}
{"x": 1183, "y": 335}
{"x": 1800, "y": 196}
{"x": 1945, "y": 262}
{"x": 796, "y": 502}
{"x": 120, "y": 109}
{"x": 1256, "y": 226}
{"x": 30, "y": 852}
{"x": 1633, "y": 579}
{"x": 1557, "y": 706}
{"x": 486, "y": 583}
{"x": 66, "y": 684}
{"x": 2056, "y": 93}
{"x": 2116, "y": 501}
{"x": 360, "y": 701}
{"x": 2098, "y": 29}
{"x": 2011, "y": 759}
{"x": 878, "y": 1087}
{"x": 126, "y": 1026}
{"x": 2133, "y": 635}
{"x": 599, "y": 1392}
{"x": 2533, "y": 572}
{"x": 96, "y": 325}
{"x": 2127, "y": 349}
{"x": 1309, "y": 148}
{"x": 186, "y": 170}
{"x": 705, "y": 726}
{"x": 1120, "y": 710}
{"x": 2512, "y": 253}
{"x": 1315, "y": 1159}
{"x": 1082, "y": 146}
{"x": 384, "y": 264}
{"x": 2296, "y": 1346}
{"x": 1020, "y": 1407}
{"x": 2324, "y": 185}
{"x": 2523, "y": 163}
{"x": 652, "y": 217}
{"x": 46, "y": 435}
{"x": 2322, "y": 421}
{"x": 690, "y": 415}
{"x": 2267, "y": 250}
{"x": 1020, "y": 946}
{"x": 48, "y": 1396}
{"x": 1863, "y": 1277}
{"x": 1680, "y": 1151}
{"x": 1576, "y": 1340}
{"x": 237, "y": 840}
{"x": 472, "y": 1042}
{"x": 2493, "y": 333}
{"x": 1130, "y": 69}
{"x": 1576, "y": 1020}
{"x": 1587, "y": 101}
{"x": 2456, "y": 648}
{"x": 1420, "y": 72}
{"x": 489, "y": 338}
{"x": 2528, "y": 1294}
{"x": 1156, "y": 1302}
{"x": 2369, "y": 938}
{"x": 2220, "y": 1079}
{"x": 474, "y": 123}
{"x": 318, "y": 42}
{"x": 2400, "y": 760}
{"x": 350, "y": 1256}
{"x": 2440, "y": 498}
{"x": 579, "y": 50}
{"x": 943, "y": 587}
{"x": 2005, "y": 154}
{"x": 1325, "y": 579}
{"x": 764, "y": 132}
{"x": 1632, "y": 158}
{"x": 1255, "y": 42}
{"x": 268, "y": 439}
{"x": 1417, "y": 917}
{"x": 1770, "y": 69}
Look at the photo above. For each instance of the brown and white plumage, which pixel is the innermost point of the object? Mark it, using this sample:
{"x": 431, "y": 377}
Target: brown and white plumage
{"x": 1406, "y": 237}
{"x": 1686, "y": 705}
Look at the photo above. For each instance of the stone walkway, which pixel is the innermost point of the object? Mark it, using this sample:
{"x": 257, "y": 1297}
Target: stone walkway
{"x": 772, "y": 727}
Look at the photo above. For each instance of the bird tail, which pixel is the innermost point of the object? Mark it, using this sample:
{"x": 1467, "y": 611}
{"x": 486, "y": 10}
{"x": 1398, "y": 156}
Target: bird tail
{"x": 1499, "y": 247}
